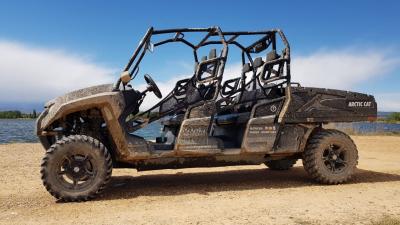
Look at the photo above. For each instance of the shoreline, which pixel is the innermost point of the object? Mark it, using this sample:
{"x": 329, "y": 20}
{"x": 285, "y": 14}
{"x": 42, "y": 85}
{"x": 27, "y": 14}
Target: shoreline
{"x": 352, "y": 135}
{"x": 13, "y": 143}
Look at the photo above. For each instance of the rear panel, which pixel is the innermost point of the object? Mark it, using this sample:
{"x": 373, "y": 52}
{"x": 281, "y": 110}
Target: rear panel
{"x": 328, "y": 105}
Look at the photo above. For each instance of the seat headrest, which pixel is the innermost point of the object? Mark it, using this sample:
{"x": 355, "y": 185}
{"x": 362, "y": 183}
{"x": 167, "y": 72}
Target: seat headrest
{"x": 258, "y": 62}
{"x": 204, "y": 58}
{"x": 212, "y": 54}
{"x": 272, "y": 56}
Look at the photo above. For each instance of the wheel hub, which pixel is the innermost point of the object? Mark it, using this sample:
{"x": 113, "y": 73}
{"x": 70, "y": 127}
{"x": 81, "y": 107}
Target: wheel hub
{"x": 334, "y": 158}
{"x": 78, "y": 167}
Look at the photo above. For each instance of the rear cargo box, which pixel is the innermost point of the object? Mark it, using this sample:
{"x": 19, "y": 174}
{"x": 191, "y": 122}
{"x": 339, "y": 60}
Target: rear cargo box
{"x": 329, "y": 105}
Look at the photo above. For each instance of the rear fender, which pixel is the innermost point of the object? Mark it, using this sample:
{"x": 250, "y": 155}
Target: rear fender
{"x": 292, "y": 138}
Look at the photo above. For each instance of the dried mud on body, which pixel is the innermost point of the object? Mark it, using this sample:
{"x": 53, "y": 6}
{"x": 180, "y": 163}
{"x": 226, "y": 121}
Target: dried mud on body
{"x": 226, "y": 195}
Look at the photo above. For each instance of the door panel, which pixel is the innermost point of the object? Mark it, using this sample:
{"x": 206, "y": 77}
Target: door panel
{"x": 193, "y": 138}
{"x": 290, "y": 138}
{"x": 262, "y": 128}
{"x": 260, "y": 134}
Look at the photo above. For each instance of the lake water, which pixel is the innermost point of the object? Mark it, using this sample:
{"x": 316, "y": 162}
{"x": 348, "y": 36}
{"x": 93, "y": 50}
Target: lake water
{"x": 17, "y": 130}
{"x": 368, "y": 128}
{"x": 23, "y": 130}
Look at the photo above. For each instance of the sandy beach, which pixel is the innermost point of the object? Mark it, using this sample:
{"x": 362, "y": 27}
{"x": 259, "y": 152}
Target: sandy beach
{"x": 229, "y": 195}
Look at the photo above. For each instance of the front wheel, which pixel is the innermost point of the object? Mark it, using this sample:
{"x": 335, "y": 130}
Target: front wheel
{"x": 330, "y": 157}
{"x": 76, "y": 168}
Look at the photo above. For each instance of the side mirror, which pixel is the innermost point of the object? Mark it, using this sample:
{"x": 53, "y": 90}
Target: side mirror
{"x": 125, "y": 77}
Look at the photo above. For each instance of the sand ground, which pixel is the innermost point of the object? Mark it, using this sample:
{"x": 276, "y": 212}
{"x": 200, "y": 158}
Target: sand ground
{"x": 230, "y": 195}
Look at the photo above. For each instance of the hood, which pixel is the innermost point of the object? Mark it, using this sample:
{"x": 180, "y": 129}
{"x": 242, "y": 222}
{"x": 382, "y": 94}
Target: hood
{"x": 81, "y": 93}
{"x": 52, "y": 106}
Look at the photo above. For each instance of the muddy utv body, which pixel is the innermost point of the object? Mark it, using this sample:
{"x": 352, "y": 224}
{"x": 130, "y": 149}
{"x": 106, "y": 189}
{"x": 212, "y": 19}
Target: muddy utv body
{"x": 258, "y": 117}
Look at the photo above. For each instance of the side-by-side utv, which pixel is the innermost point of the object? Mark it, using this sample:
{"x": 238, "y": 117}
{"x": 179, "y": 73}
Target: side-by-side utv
{"x": 256, "y": 116}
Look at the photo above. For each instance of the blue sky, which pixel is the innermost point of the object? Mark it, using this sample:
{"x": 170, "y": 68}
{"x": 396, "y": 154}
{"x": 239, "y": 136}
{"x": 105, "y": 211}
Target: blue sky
{"x": 98, "y": 37}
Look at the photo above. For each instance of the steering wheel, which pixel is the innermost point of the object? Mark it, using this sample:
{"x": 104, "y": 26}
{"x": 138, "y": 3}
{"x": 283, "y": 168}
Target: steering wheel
{"x": 152, "y": 86}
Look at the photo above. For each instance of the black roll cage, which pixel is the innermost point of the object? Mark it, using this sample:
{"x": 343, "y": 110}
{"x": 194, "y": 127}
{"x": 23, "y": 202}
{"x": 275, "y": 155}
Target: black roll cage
{"x": 144, "y": 43}
{"x": 179, "y": 34}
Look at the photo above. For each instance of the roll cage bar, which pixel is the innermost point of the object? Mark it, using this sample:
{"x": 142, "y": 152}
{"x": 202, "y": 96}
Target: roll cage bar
{"x": 179, "y": 34}
{"x": 225, "y": 39}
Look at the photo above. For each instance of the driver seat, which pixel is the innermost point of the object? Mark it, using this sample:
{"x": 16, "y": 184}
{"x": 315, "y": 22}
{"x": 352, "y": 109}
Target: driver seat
{"x": 193, "y": 94}
{"x": 197, "y": 91}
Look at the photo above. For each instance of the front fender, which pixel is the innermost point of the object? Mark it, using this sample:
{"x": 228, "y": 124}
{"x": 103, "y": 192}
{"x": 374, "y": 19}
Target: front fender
{"x": 111, "y": 105}
{"x": 113, "y": 101}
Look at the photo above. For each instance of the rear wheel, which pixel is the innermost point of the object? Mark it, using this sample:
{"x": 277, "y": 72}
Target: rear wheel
{"x": 76, "y": 168}
{"x": 330, "y": 157}
{"x": 281, "y": 164}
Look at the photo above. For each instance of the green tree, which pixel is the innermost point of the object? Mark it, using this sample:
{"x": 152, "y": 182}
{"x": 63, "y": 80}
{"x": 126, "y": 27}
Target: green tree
{"x": 394, "y": 117}
{"x": 10, "y": 114}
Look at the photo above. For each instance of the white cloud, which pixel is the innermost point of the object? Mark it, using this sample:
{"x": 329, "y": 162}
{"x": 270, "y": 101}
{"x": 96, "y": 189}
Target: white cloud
{"x": 388, "y": 101}
{"x": 342, "y": 69}
{"x": 30, "y": 74}
{"x": 347, "y": 69}
{"x": 339, "y": 69}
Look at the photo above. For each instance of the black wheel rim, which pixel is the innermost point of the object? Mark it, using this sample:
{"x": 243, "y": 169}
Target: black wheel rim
{"x": 335, "y": 158}
{"x": 76, "y": 172}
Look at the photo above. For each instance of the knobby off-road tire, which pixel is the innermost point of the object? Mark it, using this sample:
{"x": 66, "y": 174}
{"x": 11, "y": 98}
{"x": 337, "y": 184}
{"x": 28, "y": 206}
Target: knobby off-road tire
{"x": 76, "y": 168}
{"x": 330, "y": 157}
{"x": 281, "y": 164}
